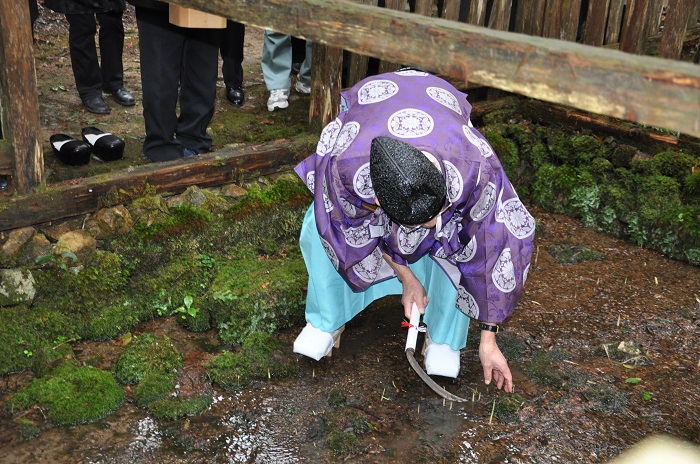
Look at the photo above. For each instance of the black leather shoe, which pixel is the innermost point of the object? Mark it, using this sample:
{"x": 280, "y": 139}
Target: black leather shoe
{"x": 123, "y": 97}
{"x": 96, "y": 105}
{"x": 70, "y": 151}
{"x": 105, "y": 146}
{"x": 235, "y": 95}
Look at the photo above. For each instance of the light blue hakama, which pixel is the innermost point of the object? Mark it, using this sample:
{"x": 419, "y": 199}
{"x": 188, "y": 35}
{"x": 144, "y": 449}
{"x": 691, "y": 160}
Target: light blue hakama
{"x": 330, "y": 302}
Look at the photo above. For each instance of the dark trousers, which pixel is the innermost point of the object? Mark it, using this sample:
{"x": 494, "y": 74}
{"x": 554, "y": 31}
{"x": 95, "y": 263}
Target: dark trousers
{"x": 91, "y": 76}
{"x": 232, "y": 54}
{"x": 176, "y": 61}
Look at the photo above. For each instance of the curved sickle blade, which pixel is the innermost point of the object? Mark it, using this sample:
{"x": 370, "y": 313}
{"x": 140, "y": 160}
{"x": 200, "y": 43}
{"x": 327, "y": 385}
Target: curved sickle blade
{"x": 430, "y": 382}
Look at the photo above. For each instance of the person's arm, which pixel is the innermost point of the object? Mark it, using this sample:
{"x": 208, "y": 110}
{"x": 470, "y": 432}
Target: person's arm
{"x": 493, "y": 362}
{"x": 413, "y": 291}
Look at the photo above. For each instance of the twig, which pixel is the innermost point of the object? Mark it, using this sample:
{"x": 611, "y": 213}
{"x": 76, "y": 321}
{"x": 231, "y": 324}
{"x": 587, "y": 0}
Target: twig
{"x": 493, "y": 409}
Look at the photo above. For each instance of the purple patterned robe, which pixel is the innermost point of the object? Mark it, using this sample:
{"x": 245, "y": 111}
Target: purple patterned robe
{"x": 483, "y": 240}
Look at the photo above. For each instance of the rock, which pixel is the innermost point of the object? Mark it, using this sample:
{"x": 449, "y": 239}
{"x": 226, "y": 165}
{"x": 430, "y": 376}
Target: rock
{"x": 233, "y": 191}
{"x": 148, "y": 210}
{"x": 110, "y": 222}
{"x": 74, "y": 242}
{"x": 17, "y": 239}
{"x": 54, "y": 231}
{"x": 16, "y": 287}
{"x": 38, "y": 246}
{"x": 202, "y": 199}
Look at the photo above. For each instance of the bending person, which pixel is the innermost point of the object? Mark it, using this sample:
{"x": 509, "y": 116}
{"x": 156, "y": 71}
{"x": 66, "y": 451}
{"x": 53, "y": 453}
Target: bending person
{"x": 409, "y": 198}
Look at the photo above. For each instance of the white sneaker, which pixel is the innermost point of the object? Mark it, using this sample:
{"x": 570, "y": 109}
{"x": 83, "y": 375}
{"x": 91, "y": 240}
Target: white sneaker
{"x": 302, "y": 88}
{"x": 278, "y": 99}
{"x": 316, "y": 343}
{"x": 440, "y": 359}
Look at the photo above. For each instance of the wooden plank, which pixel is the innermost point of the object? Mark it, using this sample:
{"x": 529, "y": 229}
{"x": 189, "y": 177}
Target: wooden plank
{"x": 500, "y": 14}
{"x": 19, "y": 101}
{"x": 450, "y": 10}
{"x": 390, "y": 65}
{"x": 537, "y": 18}
{"x": 675, "y": 26}
{"x": 325, "y": 85}
{"x": 590, "y": 78}
{"x": 477, "y": 13}
{"x": 173, "y": 177}
{"x": 634, "y": 31}
{"x": 424, "y": 7}
{"x": 656, "y": 8}
{"x": 552, "y": 20}
{"x": 614, "y": 26}
{"x": 571, "y": 12}
{"x": 595, "y": 22}
{"x": 357, "y": 62}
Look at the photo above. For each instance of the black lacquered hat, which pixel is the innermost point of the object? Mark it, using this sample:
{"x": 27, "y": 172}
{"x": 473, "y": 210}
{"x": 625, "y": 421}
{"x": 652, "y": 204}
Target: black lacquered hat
{"x": 409, "y": 187}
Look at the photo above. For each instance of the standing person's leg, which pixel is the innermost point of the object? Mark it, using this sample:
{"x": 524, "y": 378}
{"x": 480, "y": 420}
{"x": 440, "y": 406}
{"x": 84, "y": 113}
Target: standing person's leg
{"x": 277, "y": 67}
{"x": 200, "y": 62}
{"x": 160, "y": 46}
{"x": 86, "y": 67}
{"x": 111, "y": 38}
{"x": 232, "y": 57}
{"x": 303, "y": 84}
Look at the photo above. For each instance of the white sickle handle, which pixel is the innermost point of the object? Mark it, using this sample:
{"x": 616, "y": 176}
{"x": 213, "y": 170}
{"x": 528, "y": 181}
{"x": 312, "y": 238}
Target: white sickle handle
{"x": 413, "y": 329}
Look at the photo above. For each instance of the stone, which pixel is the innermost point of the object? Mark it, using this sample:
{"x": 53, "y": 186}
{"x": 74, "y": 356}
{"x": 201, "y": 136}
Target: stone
{"x": 233, "y": 191}
{"x": 16, "y": 287}
{"x": 17, "y": 239}
{"x": 202, "y": 199}
{"x": 148, "y": 210}
{"x": 74, "y": 242}
{"x": 110, "y": 222}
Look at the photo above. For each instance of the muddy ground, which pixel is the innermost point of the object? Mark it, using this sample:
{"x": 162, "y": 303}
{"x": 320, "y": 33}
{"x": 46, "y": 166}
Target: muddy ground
{"x": 583, "y": 400}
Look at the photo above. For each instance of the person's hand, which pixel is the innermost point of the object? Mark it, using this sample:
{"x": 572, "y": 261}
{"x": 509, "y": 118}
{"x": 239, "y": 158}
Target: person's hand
{"x": 494, "y": 363}
{"x": 413, "y": 292}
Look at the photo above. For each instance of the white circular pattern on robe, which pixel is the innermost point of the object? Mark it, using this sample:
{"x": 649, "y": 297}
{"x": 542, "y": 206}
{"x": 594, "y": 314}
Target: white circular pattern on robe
{"x": 469, "y": 123}
{"x": 327, "y": 203}
{"x": 468, "y": 252}
{"x": 330, "y": 252}
{"x": 357, "y": 237}
{"x": 455, "y": 183}
{"x": 450, "y": 228}
{"x": 368, "y": 268}
{"x": 411, "y": 72}
{"x": 347, "y": 207}
{"x": 466, "y": 302}
{"x": 311, "y": 181}
{"x": 410, "y": 123}
{"x": 376, "y": 91}
{"x": 486, "y": 202}
{"x": 408, "y": 242}
{"x": 363, "y": 182}
{"x": 345, "y": 137}
{"x": 503, "y": 274}
{"x": 481, "y": 144}
{"x": 328, "y": 137}
{"x": 432, "y": 159}
{"x": 516, "y": 217}
{"x": 445, "y": 98}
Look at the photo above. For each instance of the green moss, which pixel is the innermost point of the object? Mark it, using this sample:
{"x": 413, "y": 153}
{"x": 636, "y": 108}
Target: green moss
{"x": 180, "y": 220}
{"x": 586, "y": 148}
{"x": 603, "y": 397}
{"x": 565, "y": 253}
{"x": 261, "y": 357}
{"x": 254, "y": 292}
{"x": 337, "y": 398}
{"x": 507, "y": 152}
{"x": 691, "y": 186}
{"x": 153, "y": 387}
{"x": 511, "y": 346}
{"x": 200, "y": 322}
{"x": 287, "y": 190}
{"x": 27, "y": 429}
{"x": 507, "y": 408}
{"x": 677, "y": 165}
{"x": 341, "y": 443}
{"x": 148, "y": 354}
{"x": 72, "y": 395}
{"x": 177, "y": 408}
{"x": 622, "y": 155}
{"x": 544, "y": 371}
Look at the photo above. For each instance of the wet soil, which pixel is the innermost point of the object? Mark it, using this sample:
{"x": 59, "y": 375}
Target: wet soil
{"x": 579, "y": 404}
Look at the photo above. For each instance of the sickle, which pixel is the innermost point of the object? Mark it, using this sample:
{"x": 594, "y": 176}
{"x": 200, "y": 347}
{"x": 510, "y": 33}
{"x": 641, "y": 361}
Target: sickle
{"x": 411, "y": 349}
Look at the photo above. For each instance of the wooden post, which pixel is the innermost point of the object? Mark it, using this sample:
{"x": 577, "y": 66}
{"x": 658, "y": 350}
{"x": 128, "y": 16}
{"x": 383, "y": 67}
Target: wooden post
{"x": 19, "y": 102}
{"x": 634, "y": 30}
{"x": 675, "y": 26}
{"x": 612, "y": 31}
{"x": 595, "y": 22}
{"x": 326, "y": 74}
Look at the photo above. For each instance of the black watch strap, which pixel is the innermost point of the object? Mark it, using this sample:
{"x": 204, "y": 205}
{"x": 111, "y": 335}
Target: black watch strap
{"x": 490, "y": 328}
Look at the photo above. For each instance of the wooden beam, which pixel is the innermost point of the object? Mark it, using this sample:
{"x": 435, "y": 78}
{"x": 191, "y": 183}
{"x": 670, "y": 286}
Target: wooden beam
{"x": 675, "y": 26}
{"x": 647, "y": 90}
{"x": 595, "y": 22}
{"x": 212, "y": 169}
{"x": 19, "y": 101}
{"x": 634, "y": 30}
